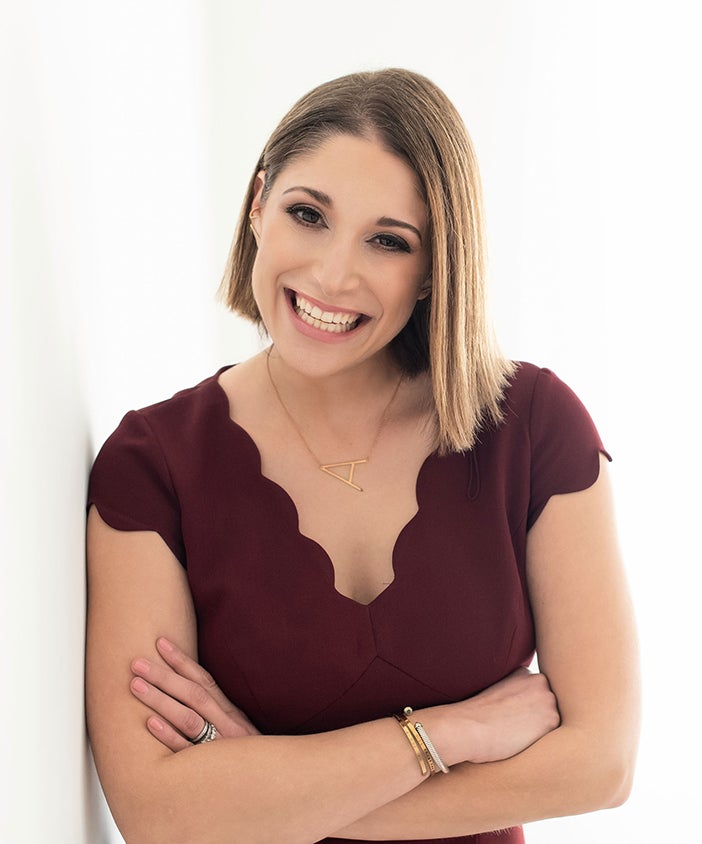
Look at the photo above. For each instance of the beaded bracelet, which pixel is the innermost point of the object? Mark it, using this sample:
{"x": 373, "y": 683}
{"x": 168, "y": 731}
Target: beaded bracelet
{"x": 430, "y": 762}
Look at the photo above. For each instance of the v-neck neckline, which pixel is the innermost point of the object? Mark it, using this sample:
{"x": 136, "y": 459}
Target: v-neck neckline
{"x": 288, "y": 502}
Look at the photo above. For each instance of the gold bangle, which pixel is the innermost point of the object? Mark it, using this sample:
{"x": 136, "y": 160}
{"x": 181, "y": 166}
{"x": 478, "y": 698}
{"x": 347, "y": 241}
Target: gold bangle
{"x": 430, "y": 762}
{"x": 405, "y": 724}
{"x": 427, "y": 765}
{"x": 422, "y": 744}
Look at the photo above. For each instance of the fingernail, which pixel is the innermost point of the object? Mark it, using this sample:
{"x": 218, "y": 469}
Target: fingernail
{"x": 165, "y": 645}
{"x": 142, "y": 665}
{"x": 139, "y": 685}
{"x": 155, "y": 724}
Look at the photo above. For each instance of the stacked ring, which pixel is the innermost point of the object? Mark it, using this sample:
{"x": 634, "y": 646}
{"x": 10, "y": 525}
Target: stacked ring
{"x": 208, "y": 733}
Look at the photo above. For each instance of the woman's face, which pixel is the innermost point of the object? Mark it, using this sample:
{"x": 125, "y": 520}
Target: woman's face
{"x": 343, "y": 255}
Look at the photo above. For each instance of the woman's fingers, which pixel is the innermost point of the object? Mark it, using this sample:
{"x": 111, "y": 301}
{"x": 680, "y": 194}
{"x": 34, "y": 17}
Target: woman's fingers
{"x": 165, "y": 733}
{"x": 186, "y": 667}
{"x": 185, "y": 720}
{"x": 184, "y": 690}
{"x": 199, "y": 696}
{"x": 181, "y": 702}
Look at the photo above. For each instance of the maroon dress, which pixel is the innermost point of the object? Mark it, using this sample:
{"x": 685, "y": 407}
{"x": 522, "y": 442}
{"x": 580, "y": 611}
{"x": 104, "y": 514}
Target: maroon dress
{"x": 286, "y": 647}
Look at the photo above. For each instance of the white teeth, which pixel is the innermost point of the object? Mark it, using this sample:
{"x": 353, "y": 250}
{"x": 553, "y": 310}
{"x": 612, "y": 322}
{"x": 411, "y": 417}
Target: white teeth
{"x": 325, "y": 320}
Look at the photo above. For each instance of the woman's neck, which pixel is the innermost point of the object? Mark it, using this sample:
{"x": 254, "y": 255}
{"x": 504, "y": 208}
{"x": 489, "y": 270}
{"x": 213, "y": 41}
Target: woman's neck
{"x": 348, "y": 395}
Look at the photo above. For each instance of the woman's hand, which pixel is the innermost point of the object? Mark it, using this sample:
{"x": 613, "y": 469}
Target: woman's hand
{"x": 183, "y": 697}
{"x": 511, "y": 715}
{"x": 500, "y": 722}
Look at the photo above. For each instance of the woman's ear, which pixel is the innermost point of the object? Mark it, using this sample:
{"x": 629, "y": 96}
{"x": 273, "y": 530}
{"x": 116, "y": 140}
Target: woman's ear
{"x": 256, "y": 204}
{"x": 259, "y": 185}
{"x": 424, "y": 290}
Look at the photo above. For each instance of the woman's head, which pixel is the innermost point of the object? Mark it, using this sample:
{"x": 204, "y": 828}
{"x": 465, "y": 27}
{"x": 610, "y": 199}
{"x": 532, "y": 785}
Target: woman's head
{"x": 414, "y": 120}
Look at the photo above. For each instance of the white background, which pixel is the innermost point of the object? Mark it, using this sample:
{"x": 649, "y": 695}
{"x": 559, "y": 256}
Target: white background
{"x": 128, "y": 133}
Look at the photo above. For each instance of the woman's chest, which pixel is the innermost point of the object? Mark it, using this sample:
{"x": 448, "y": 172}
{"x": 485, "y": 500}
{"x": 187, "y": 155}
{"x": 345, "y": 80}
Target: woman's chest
{"x": 353, "y": 498}
{"x": 356, "y": 526}
{"x": 297, "y": 653}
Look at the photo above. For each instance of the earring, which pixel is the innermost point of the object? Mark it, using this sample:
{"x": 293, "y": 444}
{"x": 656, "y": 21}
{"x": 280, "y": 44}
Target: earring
{"x": 252, "y": 215}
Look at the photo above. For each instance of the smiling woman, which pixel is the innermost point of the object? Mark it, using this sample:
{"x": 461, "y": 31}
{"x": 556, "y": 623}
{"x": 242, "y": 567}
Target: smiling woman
{"x": 342, "y": 246}
{"x": 330, "y": 564}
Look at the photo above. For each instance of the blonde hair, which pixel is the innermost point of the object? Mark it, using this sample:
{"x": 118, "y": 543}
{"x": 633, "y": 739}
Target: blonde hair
{"x": 447, "y": 333}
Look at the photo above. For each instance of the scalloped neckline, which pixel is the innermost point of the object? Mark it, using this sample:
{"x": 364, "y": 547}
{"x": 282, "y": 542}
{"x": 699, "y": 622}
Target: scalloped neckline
{"x": 288, "y": 502}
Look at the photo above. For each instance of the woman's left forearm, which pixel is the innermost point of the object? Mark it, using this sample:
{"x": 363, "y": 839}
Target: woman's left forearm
{"x": 567, "y": 772}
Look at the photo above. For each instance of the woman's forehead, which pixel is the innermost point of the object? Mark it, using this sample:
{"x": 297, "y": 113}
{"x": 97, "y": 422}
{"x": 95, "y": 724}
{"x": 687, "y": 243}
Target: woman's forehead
{"x": 347, "y": 167}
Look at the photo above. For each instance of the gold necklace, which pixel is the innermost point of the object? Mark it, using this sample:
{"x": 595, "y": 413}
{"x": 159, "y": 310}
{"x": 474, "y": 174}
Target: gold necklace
{"x": 334, "y": 469}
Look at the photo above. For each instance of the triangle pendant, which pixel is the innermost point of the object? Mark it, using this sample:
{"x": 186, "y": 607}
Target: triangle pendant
{"x": 346, "y": 477}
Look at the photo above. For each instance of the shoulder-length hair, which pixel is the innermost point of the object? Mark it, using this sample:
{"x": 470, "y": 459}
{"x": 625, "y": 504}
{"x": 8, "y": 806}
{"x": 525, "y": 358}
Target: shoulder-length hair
{"x": 448, "y": 333}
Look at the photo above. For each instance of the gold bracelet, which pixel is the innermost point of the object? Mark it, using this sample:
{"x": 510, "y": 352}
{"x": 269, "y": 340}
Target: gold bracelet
{"x": 421, "y": 758}
{"x": 427, "y": 764}
{"x": 430, "y": 762}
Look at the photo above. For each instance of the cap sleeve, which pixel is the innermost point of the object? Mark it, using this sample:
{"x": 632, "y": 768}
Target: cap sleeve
{"x": 565, "y": 444}
{"x": 131, "y": 486}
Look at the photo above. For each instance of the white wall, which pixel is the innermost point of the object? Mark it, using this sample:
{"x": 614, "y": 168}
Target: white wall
{"x": 128, "y": 134}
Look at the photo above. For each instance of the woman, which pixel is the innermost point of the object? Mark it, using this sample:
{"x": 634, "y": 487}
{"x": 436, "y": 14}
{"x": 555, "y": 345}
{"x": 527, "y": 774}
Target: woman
{"x": 377, "y": 512}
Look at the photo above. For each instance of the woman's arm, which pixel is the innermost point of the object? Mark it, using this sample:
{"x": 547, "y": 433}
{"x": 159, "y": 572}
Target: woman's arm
{"x": 253, "y": 789}
{"x": 250, "y": 788}
{"x": 587, "y": 648}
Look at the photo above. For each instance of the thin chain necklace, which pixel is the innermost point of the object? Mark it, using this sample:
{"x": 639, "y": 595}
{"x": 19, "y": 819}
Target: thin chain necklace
{"x": 336, "y": 470}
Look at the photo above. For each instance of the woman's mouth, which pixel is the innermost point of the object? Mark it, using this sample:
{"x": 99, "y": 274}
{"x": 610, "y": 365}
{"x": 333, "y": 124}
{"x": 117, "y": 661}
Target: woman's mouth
{"x": 335, "y": 322}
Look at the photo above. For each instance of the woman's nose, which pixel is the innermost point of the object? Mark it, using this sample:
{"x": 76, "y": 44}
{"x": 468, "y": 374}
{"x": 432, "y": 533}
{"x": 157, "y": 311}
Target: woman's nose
{"x": 338, "y": 268}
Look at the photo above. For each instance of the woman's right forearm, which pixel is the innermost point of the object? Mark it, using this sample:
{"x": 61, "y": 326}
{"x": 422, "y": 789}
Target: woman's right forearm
{"x": 268, "y": 789}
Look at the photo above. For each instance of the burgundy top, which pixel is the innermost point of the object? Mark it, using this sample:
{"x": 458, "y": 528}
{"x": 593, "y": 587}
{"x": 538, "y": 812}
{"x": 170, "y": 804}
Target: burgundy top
{"x": 284, "y": 645}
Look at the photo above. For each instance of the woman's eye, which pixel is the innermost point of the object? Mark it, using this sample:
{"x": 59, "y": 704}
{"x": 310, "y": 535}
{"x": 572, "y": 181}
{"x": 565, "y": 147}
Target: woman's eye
{"x": 304, "y": 214}
{"x": 391, "y": 242}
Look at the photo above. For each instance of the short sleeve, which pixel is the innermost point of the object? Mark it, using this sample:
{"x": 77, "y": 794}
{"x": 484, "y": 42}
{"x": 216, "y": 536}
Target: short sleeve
{"x": 131, "y": 486}
{"x": 565, "y": 444}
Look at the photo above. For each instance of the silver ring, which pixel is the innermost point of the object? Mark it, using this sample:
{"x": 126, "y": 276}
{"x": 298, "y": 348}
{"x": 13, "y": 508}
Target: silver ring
{"x": 207, "y": 733}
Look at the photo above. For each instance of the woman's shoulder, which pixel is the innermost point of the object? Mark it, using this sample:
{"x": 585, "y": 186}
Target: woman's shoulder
{"x": 527, "y": 374}
{"x": 188, "y": 408}
{"x": 172, "y": 424}
{"x": 525, "y": 380}
{"x": 203, "y": 392}
{"x": 539, "y": 403}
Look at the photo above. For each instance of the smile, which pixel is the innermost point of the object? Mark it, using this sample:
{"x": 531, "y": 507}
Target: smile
{"x": 335, "y": 322}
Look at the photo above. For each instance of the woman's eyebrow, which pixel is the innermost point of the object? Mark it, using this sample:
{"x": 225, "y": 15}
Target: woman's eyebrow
{"x": 322, "y": 198}
{"x": 325, "y": 199}
{"x": 389, "y": 221}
